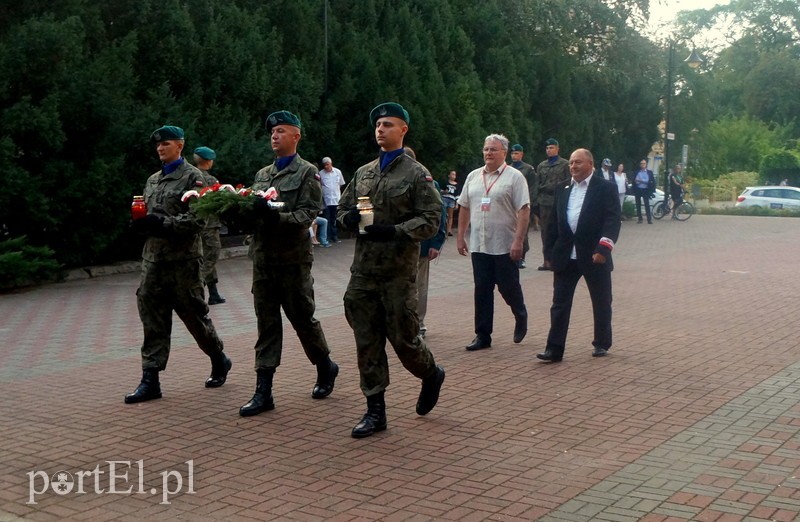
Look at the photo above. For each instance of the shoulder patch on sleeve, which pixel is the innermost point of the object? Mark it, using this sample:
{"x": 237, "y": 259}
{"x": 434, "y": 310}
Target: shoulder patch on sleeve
{"x": 199, "y": 183}
{"x": 318, "y": 176}
{"x": 427, "y": 176}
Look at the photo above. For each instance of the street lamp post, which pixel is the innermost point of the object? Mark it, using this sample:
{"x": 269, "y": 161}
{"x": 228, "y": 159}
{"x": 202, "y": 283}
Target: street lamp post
{"x": 694, "y": 61}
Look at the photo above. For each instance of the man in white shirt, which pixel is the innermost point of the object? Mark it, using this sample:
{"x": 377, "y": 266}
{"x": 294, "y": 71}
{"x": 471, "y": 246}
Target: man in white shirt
{"x": 332, "y": 182}
{"x": 495, "y": 204}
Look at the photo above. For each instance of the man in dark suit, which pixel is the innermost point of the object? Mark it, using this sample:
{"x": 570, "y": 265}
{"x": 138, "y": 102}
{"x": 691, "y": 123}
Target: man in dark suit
{"x": 582, "y": 231}
{"x": 644, "y": 185}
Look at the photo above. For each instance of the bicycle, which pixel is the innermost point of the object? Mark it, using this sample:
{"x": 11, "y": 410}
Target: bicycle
{"x": 685, "y": 210}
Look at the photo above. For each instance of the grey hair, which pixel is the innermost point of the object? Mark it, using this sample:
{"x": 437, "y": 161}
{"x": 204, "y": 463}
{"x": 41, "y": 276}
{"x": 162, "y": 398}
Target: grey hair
{"x": 498, "y": 138}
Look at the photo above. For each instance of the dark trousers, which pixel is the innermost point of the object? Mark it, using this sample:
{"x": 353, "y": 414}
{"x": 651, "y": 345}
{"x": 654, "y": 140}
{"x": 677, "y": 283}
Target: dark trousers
{"x": 487, "y": 271}
{"x": 330, "y": 215}
{"x": 599, "y": 283}
{"x": 642, "y": 194}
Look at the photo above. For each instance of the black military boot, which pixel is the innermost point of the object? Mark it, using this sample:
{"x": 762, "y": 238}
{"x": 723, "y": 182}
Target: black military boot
{"x": 147, "y": 390}
{"x": 262, "y": 399}
{"x": 213, "y": 295}
{"x": 429, "y": 394}
{"x": 220, "y": 366}
{"x": 374, "y": 420}
{"x": 326, "y": 375}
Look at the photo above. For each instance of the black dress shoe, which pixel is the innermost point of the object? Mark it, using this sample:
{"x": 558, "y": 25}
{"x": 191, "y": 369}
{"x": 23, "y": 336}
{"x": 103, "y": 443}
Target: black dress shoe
{"x": 219, "y": 373}
{"x": 549, "y": 356}
{"x": 520, "y": 329}
{"x": 478, "y": 344}
{"x": 600, "y": 352}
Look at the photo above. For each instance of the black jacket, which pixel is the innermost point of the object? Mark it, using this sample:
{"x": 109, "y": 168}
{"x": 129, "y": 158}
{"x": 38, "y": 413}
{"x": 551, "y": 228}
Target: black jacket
{"x": 599, "y": 218}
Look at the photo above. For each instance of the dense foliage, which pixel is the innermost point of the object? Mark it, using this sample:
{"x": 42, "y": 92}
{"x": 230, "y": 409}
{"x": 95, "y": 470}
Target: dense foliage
{"x": 83, "y": 84}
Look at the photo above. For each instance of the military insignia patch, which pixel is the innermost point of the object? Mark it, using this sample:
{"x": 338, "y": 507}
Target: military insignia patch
{"x": 317, "y": 176}
{"x": 273, "y": 120}
{"x": 157, "y": 136}
{"x": 199, "y": 183}
{"x": 383, "y": 111}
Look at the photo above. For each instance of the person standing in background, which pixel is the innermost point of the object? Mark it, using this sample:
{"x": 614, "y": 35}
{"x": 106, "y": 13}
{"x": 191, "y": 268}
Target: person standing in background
{"x": 644, "y": 185}
{"x": 449, "y": 196}
{"x": 551, "y": 172}
{"x": 621, "y": 179}
{"x": 332, "y": 182}
{"x": 204, "y": 158}
{"x": 517, "y": 153}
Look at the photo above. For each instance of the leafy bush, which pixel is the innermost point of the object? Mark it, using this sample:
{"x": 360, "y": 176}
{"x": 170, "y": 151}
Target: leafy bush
{"x": 725, "y": 187}
{"x": 778, "y": 165}
{"x": 23, "y": 264}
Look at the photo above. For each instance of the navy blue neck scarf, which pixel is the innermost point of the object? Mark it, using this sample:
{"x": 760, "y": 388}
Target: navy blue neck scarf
{"x": 171, "y": 167}
{"x": 283, "y": 162}
{"x": 388, "y": 157}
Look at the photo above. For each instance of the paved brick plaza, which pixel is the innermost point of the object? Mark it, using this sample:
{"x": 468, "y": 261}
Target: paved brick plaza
{"x": 695, "y": 414}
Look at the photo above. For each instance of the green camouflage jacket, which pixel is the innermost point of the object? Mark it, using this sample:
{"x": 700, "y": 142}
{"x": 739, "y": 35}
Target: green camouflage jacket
{"x": 549, "y": 177}
{"x": 180, "y": 238}
{"x": 299, "y": 188}
{"x": 402, "y": 195}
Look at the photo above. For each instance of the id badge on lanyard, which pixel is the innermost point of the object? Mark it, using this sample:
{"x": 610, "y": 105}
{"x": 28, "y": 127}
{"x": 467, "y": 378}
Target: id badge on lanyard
{"x": 486, "y": 201}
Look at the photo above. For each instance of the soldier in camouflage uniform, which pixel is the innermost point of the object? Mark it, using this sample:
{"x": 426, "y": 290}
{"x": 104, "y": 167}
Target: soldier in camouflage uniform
{"x": 204, "y": 160}
{"x": 282, "y": 255}
{"x": 517, "y": 153}
{"x": 171, "y": 264}
{"x": 551, "y": 172}
{"x": 381, "y": 299}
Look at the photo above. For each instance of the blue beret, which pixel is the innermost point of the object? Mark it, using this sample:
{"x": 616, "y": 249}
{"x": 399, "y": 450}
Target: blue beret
{"x": 517, "y": 148}
{"x": 205, "y": 153}
{"x": 282, "y": 118}
{"x": 551, "y": 141}
{"x": 389, "y": 109}
{"x": 166, "y": 133}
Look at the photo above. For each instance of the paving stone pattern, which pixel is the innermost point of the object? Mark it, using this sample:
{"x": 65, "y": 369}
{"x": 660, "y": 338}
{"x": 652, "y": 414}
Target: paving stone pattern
{"x": 694, "y": 415}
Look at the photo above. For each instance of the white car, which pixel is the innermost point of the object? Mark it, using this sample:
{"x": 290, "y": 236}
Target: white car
{"x": 770, "y": 197}
{"x": 655, "y": 198}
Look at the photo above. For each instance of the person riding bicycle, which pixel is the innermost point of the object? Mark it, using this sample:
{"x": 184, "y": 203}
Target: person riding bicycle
{"x": 676, "y": 188}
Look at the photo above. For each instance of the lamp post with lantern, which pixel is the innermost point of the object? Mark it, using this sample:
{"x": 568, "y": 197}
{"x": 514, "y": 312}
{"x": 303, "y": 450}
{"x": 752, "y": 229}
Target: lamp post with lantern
{"x": 694, "y": 61}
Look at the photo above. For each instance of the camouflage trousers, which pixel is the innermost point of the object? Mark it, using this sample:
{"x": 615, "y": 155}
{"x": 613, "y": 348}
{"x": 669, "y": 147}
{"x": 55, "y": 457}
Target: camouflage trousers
{"x": 545, "y": 212}
{"x": 166, "y": 286}
{"x": 378, "y": 309}
{"x": 290, "y": 287}
{"x": 211, "y": 248}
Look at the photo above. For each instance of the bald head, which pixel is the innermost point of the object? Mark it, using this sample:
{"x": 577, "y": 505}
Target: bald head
{"x": 581, "y": 164}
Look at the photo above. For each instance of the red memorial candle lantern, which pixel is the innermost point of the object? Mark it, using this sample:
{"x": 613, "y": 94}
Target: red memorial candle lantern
{"x": 138, "y": 208}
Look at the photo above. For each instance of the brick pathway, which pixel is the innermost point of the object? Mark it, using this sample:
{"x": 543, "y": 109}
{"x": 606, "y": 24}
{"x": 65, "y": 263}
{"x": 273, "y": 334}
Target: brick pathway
{"x": 694, "y": 415}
